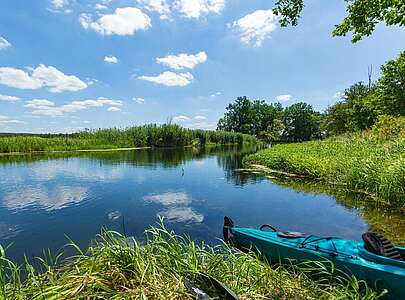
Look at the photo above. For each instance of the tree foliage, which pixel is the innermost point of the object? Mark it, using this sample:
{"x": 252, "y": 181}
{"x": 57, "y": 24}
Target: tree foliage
{"x": 361, "y": 20}
{"x": 271, "y": 122}
{"x": 362, "y": 105}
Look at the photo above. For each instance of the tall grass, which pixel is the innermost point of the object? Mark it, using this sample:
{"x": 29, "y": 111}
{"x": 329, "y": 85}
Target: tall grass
{"x": 115, "y": 267}
{"x": 373, "y": 162}
{"x": 167, "y": 135}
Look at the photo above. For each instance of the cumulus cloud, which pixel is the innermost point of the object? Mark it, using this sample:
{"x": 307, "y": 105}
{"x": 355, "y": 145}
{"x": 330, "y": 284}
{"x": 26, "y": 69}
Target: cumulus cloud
{"x": 113, "y": 109}
{"x": 100, "y": 6}
{"x": 139, "y": 100}
{"x": 169, "y": 78}
{"x": 283, "y": 98}
{"x": 47, "y": 108}
{"x": 256, "y": 27}
{"x": 197, "y": 8}
{"x": 59, "y": 4}
{"x": 111, "y": 59}
{"x": 200, "y": 118}
{"x": 159, "y": 6}
{"x": 5, "y": 120}
{"x": 183, "y": 60}
{"x": 8, "y": 98}
{"x": 178, "y": 119}
{"x": 4, "y": 44}
{"x": 124, "y": 21}
{"x": 42, "y": 76}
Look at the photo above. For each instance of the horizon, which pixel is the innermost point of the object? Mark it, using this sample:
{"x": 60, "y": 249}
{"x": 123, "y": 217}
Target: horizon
{"x": 66, "y": 66}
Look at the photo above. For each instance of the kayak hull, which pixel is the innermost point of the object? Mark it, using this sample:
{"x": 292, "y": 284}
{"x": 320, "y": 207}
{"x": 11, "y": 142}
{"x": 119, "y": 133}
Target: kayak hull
{"x": 345, "y": 255}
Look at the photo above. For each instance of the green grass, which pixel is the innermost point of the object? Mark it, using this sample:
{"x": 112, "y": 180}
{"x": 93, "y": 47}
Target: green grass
{"x": 365, "y": 162}
{"x": 167, "y": 135}
{"x": 118, "y": 268}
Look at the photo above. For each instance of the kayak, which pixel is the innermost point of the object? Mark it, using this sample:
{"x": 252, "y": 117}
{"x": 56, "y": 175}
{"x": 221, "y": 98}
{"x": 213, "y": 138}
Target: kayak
{"x": 375, "y": 260}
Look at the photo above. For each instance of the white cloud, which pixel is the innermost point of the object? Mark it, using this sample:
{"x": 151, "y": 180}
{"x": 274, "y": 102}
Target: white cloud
{"x": 56, "y": 80}
{"x": 201, "y": 125}
{"x": 100, "y": 6}
{"x": 159, "y": 6}
{"x": 254, "y": 28}
{"x": 169, "y": 78}
{"x": 58, "y": 4}
{"x": 139, "y": 100}
{"x": 42, "y": 76}
{"x": 18, "y": 79}
{"x": 183, "y": 60}
{"x": 8, "y": 98}
{"x": 4, "y": 44}
{"x": 197, "y": 8}
{"x": 283, "y": 98}
{"x": 200, "y": 118}
{"x": 113, "y": 109}
{"x": 5, "y": 120}
{"x": 216, "y": 94}
{"x": 124, "y": 21}
{"x": 111, "y": 59}
{"x": 47, "y": 108}
{"x": 178, "y": 119}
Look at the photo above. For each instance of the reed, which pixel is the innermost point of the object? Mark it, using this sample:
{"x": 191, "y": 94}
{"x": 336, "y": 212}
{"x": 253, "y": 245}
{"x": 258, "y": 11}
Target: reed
{"x": 167, "y": 135}
{"x": 116, "y": 267}
{"x": 372, "y": 162}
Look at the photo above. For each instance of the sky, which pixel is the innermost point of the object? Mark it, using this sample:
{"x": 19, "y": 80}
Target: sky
{"x": 67, "y": 65}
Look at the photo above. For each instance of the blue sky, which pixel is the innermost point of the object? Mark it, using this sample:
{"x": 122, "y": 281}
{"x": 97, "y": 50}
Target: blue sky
{"x": 66, "y": 65}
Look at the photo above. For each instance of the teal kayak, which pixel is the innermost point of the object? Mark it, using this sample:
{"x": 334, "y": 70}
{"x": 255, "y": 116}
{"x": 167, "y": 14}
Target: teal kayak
{"x": 381, "y": 270}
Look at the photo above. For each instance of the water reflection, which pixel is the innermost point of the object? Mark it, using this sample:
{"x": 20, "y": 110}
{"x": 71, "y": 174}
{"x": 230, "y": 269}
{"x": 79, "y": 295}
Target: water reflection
{"x": 44, "y": 196}
{"x": 48, "y": 199}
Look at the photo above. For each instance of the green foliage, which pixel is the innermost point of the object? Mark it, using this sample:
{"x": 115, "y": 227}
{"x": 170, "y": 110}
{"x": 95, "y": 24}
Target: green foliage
{"x": 362, "y": 15}
{"x": 117, "y": 267}
{"x": 301, "y": 123}
{"x": 271, "y": 122}
{"x": 372, "y": 162}
{"x": 167, "y": 135}
{"x": 362, "y": 104}
{"x": 390, "y": 88}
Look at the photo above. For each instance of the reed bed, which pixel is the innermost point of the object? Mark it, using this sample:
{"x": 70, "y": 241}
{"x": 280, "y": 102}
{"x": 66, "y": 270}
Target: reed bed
{"x": 116, "y": 267}
{"x": 167, "y": 135}
{"x": 372, "y": 162}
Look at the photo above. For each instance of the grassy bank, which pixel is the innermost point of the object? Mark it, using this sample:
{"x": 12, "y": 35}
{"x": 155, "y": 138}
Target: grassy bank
{"x": 166, "y": 135}
{"x": 118, "y": 268}
{"x": 373, "y": 162}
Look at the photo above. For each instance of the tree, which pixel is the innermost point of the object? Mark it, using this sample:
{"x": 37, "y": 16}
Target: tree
{"x": 390, "y": 88}
{"x": 301, "y": 122}
{"x": 362, "y": 15}
{"x": 251, "y": 117}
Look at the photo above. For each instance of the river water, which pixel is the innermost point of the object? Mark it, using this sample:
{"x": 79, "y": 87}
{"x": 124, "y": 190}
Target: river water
{"x": 45, "y": 197}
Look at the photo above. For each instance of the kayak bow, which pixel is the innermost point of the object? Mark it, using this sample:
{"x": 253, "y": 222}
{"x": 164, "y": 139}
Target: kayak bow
{"x": 361, "y": 259}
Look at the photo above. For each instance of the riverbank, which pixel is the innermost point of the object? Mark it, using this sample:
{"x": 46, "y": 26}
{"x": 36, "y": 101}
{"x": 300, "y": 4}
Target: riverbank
{"x": 120, "y": 268}
{"x": 371, "y": 162}
{"x": 166, "y": 135}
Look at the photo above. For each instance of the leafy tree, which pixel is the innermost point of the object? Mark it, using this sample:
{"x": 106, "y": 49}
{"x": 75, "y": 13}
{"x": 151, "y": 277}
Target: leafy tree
{"x": 338, "y": 119}
{"x": 301, "y": 122}
{"x": 390, "y": 88}
{"x": 251, "y": 117}
{"x": 362, "y": 15}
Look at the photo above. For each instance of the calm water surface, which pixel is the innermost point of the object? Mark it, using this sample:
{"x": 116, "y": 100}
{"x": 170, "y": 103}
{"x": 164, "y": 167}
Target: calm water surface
{"x": 43, "y": 197}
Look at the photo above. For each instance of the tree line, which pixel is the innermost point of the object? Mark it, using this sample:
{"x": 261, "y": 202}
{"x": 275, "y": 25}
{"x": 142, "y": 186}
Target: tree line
{"x": 360, "y": 107}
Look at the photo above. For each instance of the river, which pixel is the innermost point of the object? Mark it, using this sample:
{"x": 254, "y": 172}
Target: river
{"x": 44, "y": 197}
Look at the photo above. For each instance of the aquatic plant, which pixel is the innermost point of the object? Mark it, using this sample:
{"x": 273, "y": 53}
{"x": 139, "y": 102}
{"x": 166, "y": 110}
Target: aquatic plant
{"x": 117, "y": 267}
{"x": 152, "y": 135}
{"x": 372, "y": 162}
